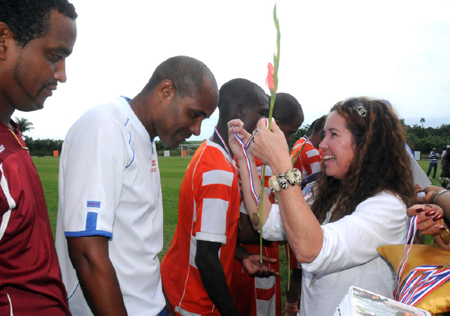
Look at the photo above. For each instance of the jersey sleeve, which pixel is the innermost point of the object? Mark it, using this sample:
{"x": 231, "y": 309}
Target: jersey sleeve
{"x": 7, "y": 201}
{"x": 354, "y": 239}
{"x": 92, "y": 164}
{"x": 7, "y": 198}
{"x": 214, "y": 190}
{"x": 313, "y": 160}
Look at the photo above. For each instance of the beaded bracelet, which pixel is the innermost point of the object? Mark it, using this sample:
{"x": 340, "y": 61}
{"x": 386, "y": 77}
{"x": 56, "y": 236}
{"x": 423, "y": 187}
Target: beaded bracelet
{"x": 291, "y": 176}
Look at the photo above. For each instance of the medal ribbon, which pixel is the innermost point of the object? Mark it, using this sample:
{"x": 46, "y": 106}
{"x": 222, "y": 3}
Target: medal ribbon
{"x": 223, "y": 142}
{"x": 249, "y": 167}
{"x": 244, "y": 147}
{"x": 422, "y": 280}
{"x": 409, "y": 237}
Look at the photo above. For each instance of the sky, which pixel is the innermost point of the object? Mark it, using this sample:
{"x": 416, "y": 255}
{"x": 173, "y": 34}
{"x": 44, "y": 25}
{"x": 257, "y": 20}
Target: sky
{"x": 330, "y": 50}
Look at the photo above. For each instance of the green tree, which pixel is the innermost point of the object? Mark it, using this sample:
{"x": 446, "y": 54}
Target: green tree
{"x": 24, "y": 125}
{"x": 298, "y": 134}
{"x": 425, "y": 139}
{"x": 43, "y": 147}
{"x": 422, "y": 120}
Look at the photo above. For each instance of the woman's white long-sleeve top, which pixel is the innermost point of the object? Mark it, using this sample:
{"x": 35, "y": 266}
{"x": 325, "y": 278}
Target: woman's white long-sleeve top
{"x": 349, "y": 253}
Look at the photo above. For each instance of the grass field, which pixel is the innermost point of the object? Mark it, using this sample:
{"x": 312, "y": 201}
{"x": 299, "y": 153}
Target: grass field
{"x": 172, "y": 171}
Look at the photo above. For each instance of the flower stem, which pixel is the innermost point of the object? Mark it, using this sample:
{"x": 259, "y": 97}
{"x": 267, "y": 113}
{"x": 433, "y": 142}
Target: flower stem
{"x": 273, "y": 95}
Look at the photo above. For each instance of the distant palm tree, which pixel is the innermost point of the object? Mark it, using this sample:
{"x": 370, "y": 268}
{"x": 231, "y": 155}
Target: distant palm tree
{"x": 24, "y": 125}
{"x": 422, "y": 120}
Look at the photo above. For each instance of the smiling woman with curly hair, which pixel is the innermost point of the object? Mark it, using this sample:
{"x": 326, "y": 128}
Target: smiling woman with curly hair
{"x": 380, "y": 163}
{"x": 359, "y": 203}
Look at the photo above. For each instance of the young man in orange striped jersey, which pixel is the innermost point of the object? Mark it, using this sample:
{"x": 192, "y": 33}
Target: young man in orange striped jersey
{"x": 256, "y": 296}
{"x": 197, "y": 269}
{"x": 306, "y": 154}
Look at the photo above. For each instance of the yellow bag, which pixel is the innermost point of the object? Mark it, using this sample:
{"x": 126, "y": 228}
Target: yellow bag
{"x": 437, "y": 301}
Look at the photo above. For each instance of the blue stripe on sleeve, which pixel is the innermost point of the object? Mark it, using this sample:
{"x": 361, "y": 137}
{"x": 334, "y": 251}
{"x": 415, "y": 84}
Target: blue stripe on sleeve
{"x": 87, "y": 233}
{"x": 91, "y": 221}
{"x": 91, "y": 228}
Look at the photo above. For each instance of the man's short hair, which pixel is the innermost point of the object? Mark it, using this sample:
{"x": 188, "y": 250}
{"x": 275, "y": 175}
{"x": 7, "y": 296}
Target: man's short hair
{"x": 30, "y": 19}
{"x": 186, "y": 73}
{"x": 236, "y": 91}
{"x": 316, "y": 127}
{"x": 286, "y": 108}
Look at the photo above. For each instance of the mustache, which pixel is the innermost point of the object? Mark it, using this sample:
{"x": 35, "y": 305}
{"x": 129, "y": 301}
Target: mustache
{"x": 52, "y": 85}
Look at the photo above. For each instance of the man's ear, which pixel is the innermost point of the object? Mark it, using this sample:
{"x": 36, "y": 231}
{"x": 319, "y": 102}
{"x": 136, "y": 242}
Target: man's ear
{"x": 5, "y": 36}
{"x": 239, "y": 109}
{"x": 165, "y": 90}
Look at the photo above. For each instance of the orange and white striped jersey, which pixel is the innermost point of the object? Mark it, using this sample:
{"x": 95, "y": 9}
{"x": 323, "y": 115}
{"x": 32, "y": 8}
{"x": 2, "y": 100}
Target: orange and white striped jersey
{"x": 255, "y": 296}
{"x": 308, "y": 160}
{"x": 267, "y": 174}
{"x": 208, "y": 210}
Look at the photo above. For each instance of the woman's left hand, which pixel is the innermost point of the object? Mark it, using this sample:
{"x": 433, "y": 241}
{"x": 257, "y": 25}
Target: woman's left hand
{"x": 430, "y": 216}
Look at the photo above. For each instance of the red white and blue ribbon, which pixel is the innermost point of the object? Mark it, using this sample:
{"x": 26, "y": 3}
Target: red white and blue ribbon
{"x": 422, "y": 280}
{"x": 223, "y": 142}
{"x": 249, "y": 166}
{"x": 247, "y": 159}
{"x": 244, "y": 147}
{"x": 409, "y": 238}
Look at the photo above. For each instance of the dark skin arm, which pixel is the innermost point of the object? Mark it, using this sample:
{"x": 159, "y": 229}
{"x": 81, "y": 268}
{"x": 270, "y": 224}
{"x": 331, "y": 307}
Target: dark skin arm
{"x": 247, "y": 235}
{"x": 98, "y": 280}
{"x": 213, "y": 277}
{"x": 293, "y": 293}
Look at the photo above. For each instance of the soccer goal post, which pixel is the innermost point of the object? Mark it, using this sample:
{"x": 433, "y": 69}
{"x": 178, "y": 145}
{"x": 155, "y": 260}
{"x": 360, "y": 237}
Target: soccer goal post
{"x": 188, "y": 150}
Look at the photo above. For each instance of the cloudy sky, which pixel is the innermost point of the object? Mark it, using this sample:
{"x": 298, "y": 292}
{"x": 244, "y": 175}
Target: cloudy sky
{"x": 330, "y": 50}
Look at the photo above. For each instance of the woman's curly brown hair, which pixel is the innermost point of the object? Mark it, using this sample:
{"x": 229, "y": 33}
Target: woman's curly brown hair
{"x": 381, "y": 162}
